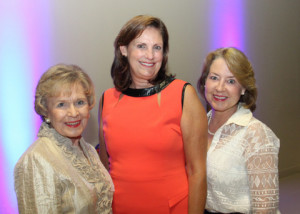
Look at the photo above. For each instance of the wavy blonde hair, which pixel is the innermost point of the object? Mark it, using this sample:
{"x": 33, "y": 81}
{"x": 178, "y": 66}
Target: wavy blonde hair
{"x": 61, "y": 78}
{"x": 239, "y": 66}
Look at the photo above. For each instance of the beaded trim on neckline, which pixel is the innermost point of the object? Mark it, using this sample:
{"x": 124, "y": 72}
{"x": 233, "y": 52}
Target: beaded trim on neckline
{"x": 144, "y": 92}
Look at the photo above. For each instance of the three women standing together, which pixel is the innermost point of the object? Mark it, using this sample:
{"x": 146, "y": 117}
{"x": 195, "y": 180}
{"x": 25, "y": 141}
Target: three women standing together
{"x": 154, "y": 135}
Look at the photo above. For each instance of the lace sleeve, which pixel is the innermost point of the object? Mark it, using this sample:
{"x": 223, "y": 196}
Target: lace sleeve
{"x": 262, "y": 166}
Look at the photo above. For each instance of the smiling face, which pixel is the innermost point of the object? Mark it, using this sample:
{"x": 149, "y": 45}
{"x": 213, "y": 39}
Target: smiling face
{"x": 145, "y": 55}
{"x": 222, "y": 90}
{"x": 69, "y": 113}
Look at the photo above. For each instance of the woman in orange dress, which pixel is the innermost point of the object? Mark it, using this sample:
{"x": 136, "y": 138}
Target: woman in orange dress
{"x": 152, "y": 127}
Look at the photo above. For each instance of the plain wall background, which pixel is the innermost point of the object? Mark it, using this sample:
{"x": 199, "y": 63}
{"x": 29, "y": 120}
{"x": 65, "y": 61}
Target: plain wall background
{"x": 82, "y": 33}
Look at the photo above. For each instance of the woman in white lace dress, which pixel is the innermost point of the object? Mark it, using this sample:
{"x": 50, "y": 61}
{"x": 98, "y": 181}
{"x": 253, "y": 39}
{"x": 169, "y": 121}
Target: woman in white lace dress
{"x": 242, "y": 158}
{"x": 60, "y": 172}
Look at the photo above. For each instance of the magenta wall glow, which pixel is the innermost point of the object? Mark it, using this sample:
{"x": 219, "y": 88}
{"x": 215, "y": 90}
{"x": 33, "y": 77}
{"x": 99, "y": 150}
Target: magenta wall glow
{"x": 227, "y": 23}
{"x": 23, "y": 55}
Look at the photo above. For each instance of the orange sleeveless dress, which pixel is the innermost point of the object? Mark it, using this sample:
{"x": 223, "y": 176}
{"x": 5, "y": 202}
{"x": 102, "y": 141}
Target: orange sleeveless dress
{"x": 146, "y": 154}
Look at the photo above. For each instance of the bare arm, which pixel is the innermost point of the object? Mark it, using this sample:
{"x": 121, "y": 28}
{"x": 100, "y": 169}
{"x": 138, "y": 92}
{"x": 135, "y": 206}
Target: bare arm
{"x": 102, "y": 147}
{"x": 194, "y": 131}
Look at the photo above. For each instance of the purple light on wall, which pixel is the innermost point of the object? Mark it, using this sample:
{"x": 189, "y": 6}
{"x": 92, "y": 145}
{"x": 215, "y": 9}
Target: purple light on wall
{"x": 227, "y": 23}
{"x": 24, "y": 40}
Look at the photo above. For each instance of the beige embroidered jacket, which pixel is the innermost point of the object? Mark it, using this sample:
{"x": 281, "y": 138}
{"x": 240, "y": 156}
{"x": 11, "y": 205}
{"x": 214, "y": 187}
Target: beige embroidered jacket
{"x": 53, "y": 176}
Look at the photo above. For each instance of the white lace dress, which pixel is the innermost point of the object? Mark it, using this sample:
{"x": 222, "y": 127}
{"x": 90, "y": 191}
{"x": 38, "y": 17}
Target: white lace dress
{"x": 53, "y": 176}
{"x": 242, "y": 167}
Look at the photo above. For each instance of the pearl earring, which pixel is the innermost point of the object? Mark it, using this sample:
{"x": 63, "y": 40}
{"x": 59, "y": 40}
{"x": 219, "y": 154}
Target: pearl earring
{"x": 47, "y": 120}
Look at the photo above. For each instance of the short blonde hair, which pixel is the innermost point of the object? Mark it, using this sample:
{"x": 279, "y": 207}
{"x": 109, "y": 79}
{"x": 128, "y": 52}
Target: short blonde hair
{"x": 61, "y": 78}
{"x": 239, "y": 66}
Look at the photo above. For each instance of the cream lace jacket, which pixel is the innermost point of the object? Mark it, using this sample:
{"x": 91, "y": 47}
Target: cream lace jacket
{"x": 53, "y": 176}
{"x": 242, "y": 167}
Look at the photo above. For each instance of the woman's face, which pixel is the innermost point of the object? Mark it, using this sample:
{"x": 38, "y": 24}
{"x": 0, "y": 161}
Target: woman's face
{"x": 69, "y": 114}
{"x": 145, "y": 55}
{"x": 222, "y": 90}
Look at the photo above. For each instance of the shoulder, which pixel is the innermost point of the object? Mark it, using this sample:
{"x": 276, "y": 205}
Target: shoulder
{"x": 259, "y": 126}
{"x": 261, "y": 134}
{"x": 110, "y": 90}
{"x": 179, "y": 82}
{"x": 178, "y": 85}
{"x": 188, "y": 91}
{"x": 191, "y": 103}
{"x": 39, "y": 153}
{"x": 111, "y": 93}
{"x": 36, "y": 148}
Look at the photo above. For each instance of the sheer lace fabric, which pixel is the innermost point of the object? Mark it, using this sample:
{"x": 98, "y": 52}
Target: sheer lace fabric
{"x": 53, "y": 176}
{"x": 242, "y": 167}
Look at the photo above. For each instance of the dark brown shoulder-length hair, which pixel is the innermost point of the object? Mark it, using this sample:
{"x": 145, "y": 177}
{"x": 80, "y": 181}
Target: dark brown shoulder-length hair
{"x": 120, "y": 69}
{"x": 239, "y": 66}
